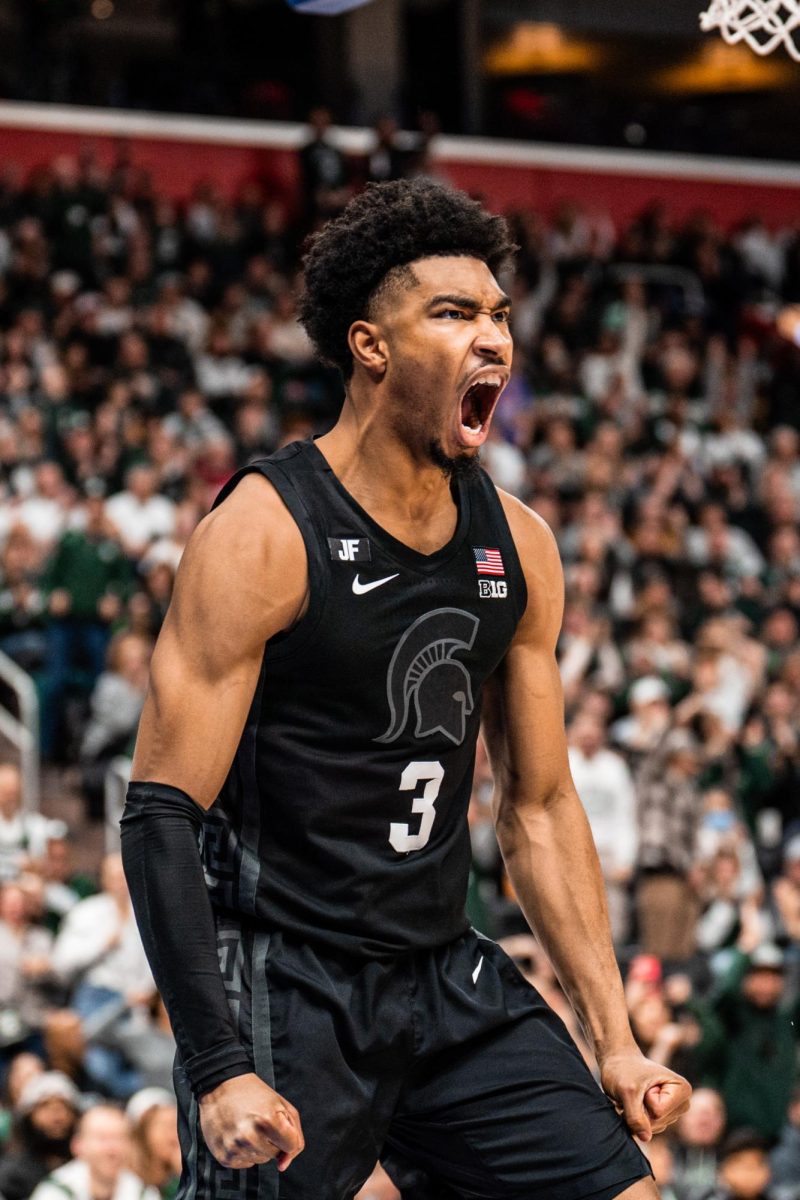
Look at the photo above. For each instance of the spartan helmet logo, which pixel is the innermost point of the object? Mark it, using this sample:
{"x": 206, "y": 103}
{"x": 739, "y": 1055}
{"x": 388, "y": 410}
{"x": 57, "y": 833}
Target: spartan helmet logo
{"x": 423, "y": 670}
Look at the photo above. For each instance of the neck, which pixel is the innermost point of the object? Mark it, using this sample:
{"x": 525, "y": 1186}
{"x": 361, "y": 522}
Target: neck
{"x": 379, "y": 468}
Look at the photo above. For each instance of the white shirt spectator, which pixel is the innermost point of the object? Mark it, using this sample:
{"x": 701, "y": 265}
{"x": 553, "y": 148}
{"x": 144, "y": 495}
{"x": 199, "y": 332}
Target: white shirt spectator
{"x": 43, "y": 518}
{"x": 140, "y": 521}
{"x": 742, "y": 554}
{"x": 222, "y": 375}
{"x": 733, "y": 446}
{"x": 96, "y": 943}
{"x": 605, "y": 787}
{"x": 506, "y": 465}
{"x": 71, "y": 1182}
{"x": 729, "y": 698}
{"x": 24, "y": 836}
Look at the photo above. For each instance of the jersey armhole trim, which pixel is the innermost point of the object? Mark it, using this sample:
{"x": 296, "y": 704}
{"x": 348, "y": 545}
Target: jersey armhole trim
{"x": 284, "y": 644}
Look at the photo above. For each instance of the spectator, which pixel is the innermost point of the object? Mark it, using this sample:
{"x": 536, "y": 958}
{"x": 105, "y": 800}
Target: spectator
{"x": 744, "y": 1171}
{"x": 22, "y": 603}
{"x": 157, "y": 1153}
{"x": 786, "y": 894}
{"x": 101, "y": 1148}
{"x": 63, "y": 885}
{"x": 23, "y": 835}
{"x": 323, "y": 169}
{"x": 761, "y": 1029}
{"x": 729, "y": 914}
{"x": 140, "y": 514}
{"x": 116, "y": 704}
{"x": 649, "y": 717}
{"x": 21, "y": 1068}
{"x": 193, "y": 424}
{"x": 44, "y": 509}
{"x": 46, "y": 1116}
{"x": 605, "y": 786}
{"x": 25, "y": 967}
{"x": 785, "y": 1156}
{"x": 99, "y": 954}
{"x": 385, "y": 160}
{"x": 86, "y": 580}
{"x": 669, "y": 814}
{"x": 720, "y": 828}
{"x": 698, "y": 1135}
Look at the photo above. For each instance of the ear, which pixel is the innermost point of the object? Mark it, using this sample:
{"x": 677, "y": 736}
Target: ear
{"x": 368, "y": 348}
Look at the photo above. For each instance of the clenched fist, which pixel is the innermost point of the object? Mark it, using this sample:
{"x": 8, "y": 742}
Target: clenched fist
{"x": 244, "y": 1122}
{"x": 649, "y": 1096}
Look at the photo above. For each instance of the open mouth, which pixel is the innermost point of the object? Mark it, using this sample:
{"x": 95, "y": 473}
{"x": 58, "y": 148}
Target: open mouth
{"x": 477, "y": 406}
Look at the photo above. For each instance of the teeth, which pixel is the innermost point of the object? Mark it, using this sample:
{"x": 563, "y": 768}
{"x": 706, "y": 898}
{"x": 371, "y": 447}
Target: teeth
{"x": 487, "y": 381}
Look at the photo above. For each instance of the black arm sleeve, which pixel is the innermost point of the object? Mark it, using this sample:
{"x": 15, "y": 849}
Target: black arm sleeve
{"x": 161, "y": 857}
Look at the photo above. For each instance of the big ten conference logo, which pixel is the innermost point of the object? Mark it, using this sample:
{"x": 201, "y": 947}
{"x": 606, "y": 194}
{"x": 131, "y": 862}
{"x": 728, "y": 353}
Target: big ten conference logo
{"x": 492, "y": 589}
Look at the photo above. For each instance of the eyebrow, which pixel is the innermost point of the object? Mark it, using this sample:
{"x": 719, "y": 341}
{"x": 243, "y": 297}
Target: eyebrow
{"x": 469, "y": 302}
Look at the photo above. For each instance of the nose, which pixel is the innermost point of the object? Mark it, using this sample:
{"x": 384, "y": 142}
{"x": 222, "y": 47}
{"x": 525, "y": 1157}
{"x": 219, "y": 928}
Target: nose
{"x": 492, "y": 339}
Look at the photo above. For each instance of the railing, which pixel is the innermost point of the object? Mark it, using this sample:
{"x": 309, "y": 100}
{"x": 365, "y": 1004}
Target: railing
{"x": 116, "y": 785}
{"x": 678, "y": 277}
{"x": 22, "y": 731}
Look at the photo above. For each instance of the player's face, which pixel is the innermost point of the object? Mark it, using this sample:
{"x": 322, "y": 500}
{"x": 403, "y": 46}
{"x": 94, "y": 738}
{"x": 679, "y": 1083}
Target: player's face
{"x": 449, "y": 354}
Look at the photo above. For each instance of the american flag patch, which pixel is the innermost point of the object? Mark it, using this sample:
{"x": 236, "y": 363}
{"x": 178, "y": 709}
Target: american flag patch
{"x": 488, "y": 562}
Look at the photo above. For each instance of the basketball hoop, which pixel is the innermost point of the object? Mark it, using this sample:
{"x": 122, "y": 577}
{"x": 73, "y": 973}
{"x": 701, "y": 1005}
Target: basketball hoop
{"x": 762, "y": 24}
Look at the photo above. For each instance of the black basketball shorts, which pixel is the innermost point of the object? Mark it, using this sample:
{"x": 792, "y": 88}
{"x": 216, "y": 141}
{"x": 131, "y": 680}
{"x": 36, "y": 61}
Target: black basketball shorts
{"x": 445, "y": 1063}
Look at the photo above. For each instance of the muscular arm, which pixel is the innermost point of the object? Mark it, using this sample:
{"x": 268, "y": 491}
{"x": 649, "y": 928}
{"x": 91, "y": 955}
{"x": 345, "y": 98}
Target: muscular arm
{"x": 242, "y": 580}
{"x": 545, "y": 837}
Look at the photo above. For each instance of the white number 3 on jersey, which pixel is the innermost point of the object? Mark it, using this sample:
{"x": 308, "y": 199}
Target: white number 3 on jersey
{"x": 400, "y": 837}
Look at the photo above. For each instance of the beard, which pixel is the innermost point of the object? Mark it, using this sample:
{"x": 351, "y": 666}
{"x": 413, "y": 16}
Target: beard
{"x": 462, "y": 466}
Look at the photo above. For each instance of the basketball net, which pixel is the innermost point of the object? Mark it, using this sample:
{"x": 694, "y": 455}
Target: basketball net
{"x": 762, "y": 24}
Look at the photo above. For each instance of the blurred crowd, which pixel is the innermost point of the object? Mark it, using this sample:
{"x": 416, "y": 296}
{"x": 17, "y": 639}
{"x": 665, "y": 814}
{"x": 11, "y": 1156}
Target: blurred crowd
{"x": 148, "y": 348}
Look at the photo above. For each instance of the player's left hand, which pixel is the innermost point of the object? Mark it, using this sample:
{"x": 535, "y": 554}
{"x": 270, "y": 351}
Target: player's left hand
{"x": 650, "y": 1097}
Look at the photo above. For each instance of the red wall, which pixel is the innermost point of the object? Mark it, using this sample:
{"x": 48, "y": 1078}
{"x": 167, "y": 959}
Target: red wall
{"x": 626, "y": 195}
{"x": 177, "y": 165}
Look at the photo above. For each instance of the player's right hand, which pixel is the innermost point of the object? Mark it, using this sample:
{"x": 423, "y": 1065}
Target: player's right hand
{"x": 244, "y": 1122}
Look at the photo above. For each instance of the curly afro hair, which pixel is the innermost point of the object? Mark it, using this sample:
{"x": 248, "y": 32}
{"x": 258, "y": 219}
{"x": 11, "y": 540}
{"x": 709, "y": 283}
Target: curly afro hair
{"x": 385, "y": 228}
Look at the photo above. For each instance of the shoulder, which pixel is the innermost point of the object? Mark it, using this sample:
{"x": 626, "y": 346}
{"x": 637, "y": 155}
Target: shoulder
{"x": 252, "y": 526}
{"x": 246, "y": 559}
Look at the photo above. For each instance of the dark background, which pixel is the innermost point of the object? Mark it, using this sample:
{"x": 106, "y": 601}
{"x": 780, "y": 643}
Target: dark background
{"x": 259, "y": 59}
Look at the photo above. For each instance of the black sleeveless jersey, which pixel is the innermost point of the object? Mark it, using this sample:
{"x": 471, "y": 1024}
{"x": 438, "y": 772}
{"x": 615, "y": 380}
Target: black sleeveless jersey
{"x": 343, "y": 819}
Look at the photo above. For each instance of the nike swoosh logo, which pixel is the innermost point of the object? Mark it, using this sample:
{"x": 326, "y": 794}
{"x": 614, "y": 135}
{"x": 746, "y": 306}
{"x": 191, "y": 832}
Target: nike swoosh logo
{"x": 477, "y": 971}
{"x": 361, "y": 589}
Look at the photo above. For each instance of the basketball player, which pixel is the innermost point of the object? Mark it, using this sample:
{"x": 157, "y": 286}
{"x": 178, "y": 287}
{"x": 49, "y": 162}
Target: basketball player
{"x": 342, "y": 622}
